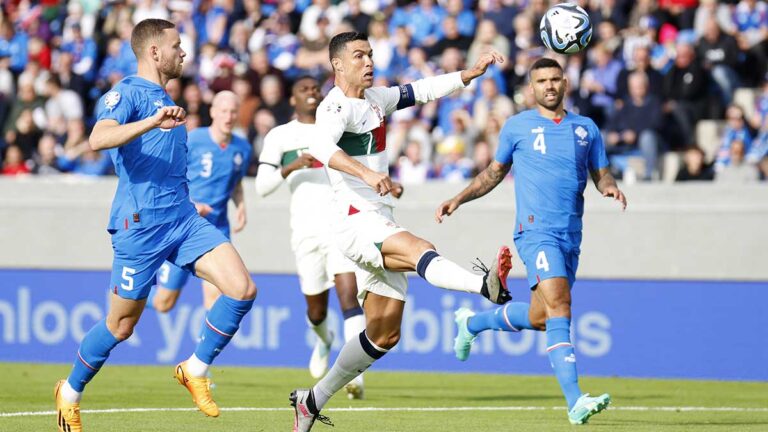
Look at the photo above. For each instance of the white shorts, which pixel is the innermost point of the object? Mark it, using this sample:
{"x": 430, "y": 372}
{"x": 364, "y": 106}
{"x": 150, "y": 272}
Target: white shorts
{"x": 359, "y": 237}
{"x": 317, "y": 261}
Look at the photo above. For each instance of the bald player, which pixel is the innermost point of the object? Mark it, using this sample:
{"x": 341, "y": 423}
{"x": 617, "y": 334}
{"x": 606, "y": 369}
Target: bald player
{"x": 153, "y": 220}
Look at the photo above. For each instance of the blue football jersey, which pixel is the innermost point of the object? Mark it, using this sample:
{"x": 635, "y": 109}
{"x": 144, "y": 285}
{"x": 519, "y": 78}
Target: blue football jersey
{"x": 214, "y": 171}
{"x": 551, "y": 166}
{"x": 151, "y": 169}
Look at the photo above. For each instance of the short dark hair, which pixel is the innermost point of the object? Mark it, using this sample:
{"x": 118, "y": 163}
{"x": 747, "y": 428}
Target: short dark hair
{"x": 302, "y": 78}
{"x": 341, "y": 40}
{"x": 545, "y": 63}
{"x": 147, "y": 30}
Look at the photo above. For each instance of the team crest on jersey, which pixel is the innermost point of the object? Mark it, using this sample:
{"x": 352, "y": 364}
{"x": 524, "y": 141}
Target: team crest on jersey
{"x": 333, "y": 108}
{"x": 582, "y": 134}
{"x": 111, "y": 99}
{"x": 238, "y": 159}
{"x": 158, "y": 104}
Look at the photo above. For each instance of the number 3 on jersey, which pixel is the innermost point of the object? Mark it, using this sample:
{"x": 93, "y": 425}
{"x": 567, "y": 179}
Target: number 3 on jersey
{"x": 541, "y": 262}
{"x": 207, "y": 163}
{"x": 538, "y": 143}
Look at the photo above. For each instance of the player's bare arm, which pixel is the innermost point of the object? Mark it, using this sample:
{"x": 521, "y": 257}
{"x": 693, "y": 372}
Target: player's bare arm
{"x": 238, "y": 197}
{"x": 606, "y": 185}
{"x": 481, "y": 66}
{"x": 109, "y": 133}
{"x": 380, "y": 182}
{"x": 480, "y": 185}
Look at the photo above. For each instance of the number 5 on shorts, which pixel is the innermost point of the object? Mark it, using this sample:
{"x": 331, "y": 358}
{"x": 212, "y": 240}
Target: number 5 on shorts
{"x": 128, "y": 277}
{"x": 541, "y": 262}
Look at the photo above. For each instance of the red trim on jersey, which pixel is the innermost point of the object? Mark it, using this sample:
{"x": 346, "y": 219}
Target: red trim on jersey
{"x": 352, "y": 211}
{"x": 317, "y": 164}
{"x": 126, "y": 223}
{"x": 557, "y": 120}
{"x": 538, "y": 279}
{"x": 380, "y": 135}
{"x": 521, "y": 228}
{"x": 115, "y": 290}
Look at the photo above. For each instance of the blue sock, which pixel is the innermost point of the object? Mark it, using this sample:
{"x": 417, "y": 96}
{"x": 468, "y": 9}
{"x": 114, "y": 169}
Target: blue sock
{"x": 510, "y": 317}
{"x": 221, "y": 323}
{"x": 203, "y": 325}
{"x": 562, "y": 358}
{"x": 93, "y": 352}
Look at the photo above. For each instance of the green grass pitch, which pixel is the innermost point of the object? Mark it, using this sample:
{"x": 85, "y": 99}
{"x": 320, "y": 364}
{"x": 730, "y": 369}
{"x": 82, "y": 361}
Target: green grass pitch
{"x": 479, "y": 402}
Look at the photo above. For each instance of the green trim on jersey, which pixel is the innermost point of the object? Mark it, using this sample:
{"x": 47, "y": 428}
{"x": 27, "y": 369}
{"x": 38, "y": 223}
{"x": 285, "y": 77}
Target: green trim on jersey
{"x": 355, "y": 144}
{"x": 292, "y": 155}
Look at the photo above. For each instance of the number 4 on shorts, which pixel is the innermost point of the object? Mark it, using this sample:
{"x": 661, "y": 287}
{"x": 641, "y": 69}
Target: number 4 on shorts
{"x": 541, "y": 262}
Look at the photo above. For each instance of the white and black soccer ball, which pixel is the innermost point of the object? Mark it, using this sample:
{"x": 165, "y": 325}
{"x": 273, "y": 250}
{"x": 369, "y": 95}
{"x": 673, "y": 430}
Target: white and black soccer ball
{"x": 566, "y": 28}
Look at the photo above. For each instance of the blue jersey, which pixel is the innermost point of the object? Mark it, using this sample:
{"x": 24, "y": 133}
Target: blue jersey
{"x": 214, "y": 171}
{"x": 551, "y": 165}
{"x": 152, "y": 169}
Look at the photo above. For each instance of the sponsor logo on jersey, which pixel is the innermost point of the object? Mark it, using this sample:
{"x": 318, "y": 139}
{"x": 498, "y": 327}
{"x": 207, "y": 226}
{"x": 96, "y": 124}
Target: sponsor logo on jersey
{"x": 158, "y": 104}
{"x": 582, "y": 134}
{"x": 333, "y": 108}
{"x": 238, "y": 159}
{"x": 111, "y": 99}
{"x": 538, "y": 130}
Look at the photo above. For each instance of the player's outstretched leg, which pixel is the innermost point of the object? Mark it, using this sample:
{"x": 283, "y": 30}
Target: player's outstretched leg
{"x": 318, "y": 361}
{"x": 511, "y": 317}
{"x": 443, "y": 273}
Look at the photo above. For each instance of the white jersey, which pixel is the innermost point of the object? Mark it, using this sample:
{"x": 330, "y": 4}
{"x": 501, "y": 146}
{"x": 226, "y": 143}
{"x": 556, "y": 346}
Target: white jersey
{"x": 359, "y": 128}
{"x": 310, "y": 190}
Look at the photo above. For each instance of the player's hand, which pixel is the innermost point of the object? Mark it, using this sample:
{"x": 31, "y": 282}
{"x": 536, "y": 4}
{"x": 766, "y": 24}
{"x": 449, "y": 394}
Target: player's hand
{"x": 397, "y": 190}
{"x": 203, "y": 209}
{"x": 482, "y": 64}
{"x": 381, "y": 183}
{"x": 618, "y": 195}
{"x": 168, "y": 117}
{"x": 446, "y": 209}
{"x": 241, "y": 218}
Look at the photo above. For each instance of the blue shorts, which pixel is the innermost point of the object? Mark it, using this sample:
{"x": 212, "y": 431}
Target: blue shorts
{"x": 173, "y": 277}
{"x": 549, "y": 255}
{"x": 140, "y": 252}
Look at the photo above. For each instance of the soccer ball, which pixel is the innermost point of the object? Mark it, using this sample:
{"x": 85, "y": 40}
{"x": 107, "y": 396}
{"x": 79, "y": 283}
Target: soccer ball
{"x": 565, "y": 28}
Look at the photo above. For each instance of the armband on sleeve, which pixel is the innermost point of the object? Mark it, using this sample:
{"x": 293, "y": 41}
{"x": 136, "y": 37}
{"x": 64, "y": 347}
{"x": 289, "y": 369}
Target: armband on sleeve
{"x": 407, "y": 97}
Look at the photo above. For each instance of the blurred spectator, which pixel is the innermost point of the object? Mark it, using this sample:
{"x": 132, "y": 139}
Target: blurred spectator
{"x": 263, "y": 122}
{"x": 736, "y": 131}
{"x": 248, "y": 104}
{"x": 713, "y": 9}
{"x": 273, "y": 100}
{"x": 28, "y": 101}
{"x": 738, "y": 171}
{"x": 685, "y": 87}
{"x": 82, "y": 159}
{"x": 454, "y": 166}
{"x": 418, "y": 67}
{"x": 482, "y": 157}
{"x": 751, "y": 20}
{"x": 491, "y": 103}
{"x": 62, "y": 103}
{"x": 45, "y": 161}
{"x": 358, "y": 19}
{"x": 149, "y": 9}
{"x": 487, "y": 38}
{"x": 309, "y": 29}
{"x": 382, "y": 46}
{"x": 719, "y": 55}
{"x": 312, "y": 56}
{"x": 259, "y": 68}
{"x": 607, "y": 11}
{"x": 7, "y": 80}
{"x": 679, "y": 12}
{"x": 70, "y": 80}
{"x": 412, "y": 168}
{"x": 423, "y": 22}
{"x": 641, "y": 62}
{"x": 451, "y": 38}
{"x": 599, "y": 84}
{"x": 501, "y": 13}
{"x": 83, "y": 52}
{"x": 115, "y": 65}
{"x": 634, "y": 128}
{"x": 193, "y": 103}
{"x": 694, "y": 167}
{"x": 13, "y": 162}
{"x": 174, "y": 90}
{"x": 14, "y": 44}
{"x": 24, "y": 134}
{"x": 465, "y": 20}
{"x": 210, "y": 20}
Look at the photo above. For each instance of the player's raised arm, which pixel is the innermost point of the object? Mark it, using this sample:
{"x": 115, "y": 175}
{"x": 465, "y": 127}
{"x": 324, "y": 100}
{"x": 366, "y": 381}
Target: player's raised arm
{"x": 238, "y": 197}
{"x": 110, "y": 133}
{"x": 480, "y": 185}
{"x": 606, "y": 185}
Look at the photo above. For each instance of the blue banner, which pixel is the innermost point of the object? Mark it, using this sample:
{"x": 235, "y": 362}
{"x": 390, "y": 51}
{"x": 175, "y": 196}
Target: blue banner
{"x": 677, "y": 329}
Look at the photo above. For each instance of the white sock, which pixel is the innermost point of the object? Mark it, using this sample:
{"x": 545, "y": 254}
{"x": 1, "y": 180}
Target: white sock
{"x": 353, "y": 326}
{"x": 351, "y": 362}
{"x": 196, "y": 367}
{"x": 69, "y": 394}
{"x": 321, "y": 330}
{"x": 444, "y": 273}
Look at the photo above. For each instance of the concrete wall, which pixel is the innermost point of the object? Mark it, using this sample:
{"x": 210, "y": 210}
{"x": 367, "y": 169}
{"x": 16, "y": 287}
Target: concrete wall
{"x": 700, "y": 231}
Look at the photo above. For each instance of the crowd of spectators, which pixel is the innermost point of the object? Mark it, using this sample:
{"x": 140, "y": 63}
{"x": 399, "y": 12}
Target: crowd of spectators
{"x": 654, "y": 69}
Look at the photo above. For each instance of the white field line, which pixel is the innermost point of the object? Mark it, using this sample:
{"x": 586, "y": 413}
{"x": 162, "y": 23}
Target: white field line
{"x": 393, "y": 409}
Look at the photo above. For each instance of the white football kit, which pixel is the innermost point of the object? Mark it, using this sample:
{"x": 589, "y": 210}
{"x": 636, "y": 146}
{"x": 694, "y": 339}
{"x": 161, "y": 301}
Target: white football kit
{"x": 317, "y": 257}
{"x": 363, "y": 218}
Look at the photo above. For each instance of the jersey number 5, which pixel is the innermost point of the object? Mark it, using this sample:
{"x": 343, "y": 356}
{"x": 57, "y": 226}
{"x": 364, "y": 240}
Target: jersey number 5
{"x": 539, "y": 145}
{"x": 128, "y": 277}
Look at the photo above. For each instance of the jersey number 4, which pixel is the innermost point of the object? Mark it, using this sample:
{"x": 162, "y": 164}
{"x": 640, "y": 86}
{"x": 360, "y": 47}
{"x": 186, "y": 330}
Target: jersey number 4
{"x": 539, "y": 145}
{"x": 541, "y": 261}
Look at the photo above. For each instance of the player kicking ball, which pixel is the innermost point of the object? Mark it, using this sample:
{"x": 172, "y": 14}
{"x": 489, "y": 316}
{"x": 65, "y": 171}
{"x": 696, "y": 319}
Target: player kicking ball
{"x": 553, "y": 151}
{"x": 350, "y": 141}
{"x": 153, "y": 220}
{"x": 318, "y": 259}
